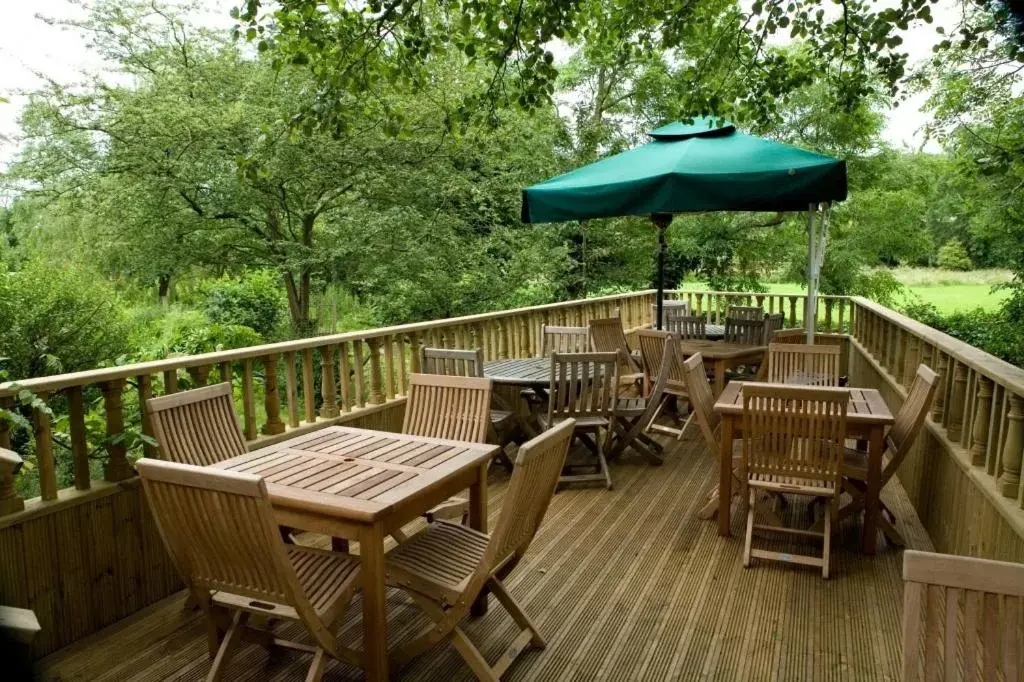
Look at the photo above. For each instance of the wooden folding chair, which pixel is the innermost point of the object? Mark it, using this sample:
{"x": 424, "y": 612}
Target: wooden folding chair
{"x": 745, "y": 331}
{"x": 634, "y": 415}
{"x": 790, "y": 363}
{"x": 904, "y": 431}
{"x": 449, "y": 407}
{"x": 675, "y": 305}
{"x": 652, "y": 349}
{"x": 445, "y": 567}
{"x": 793, "y": 442}
{"x": 584, "y": 388}
{"x": 963, "y": 618}
{"x": 505, "y": 423}
{"x": 745, "y": 312}
{"x": 608, "y": 336}
{"x": 218, "y": 527}
{"x": 564, "y": 340}
{"x": 687, "y": 327}
{"x": 772, "y": 323}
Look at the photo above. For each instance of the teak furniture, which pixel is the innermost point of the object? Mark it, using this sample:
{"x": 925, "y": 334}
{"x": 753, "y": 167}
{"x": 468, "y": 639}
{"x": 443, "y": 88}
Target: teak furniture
{"x": 745, "y": 331}
{"x": 584, "y": 388}
{"x": 564, "y": 340}
{"x": 867, "y": 416}
{"x": 218, "y": 527}
{"x": 446, "y": 566}
{"x": 963, "y": 618}
{"x": 686, "y": 326}
{"x": 790, "y": 363}
{"x": 745, "y": 312}
{"x": 652, "y": 348}
{"x": 720, "y": 357}
{"x": 197, "y": 427}
{"x": 363, "y": 485}
{"x": 608, "y": 336}
{"x": 633, "y": 416}
{"x": 675, "y": 305}
{"x": 793, "y": 443}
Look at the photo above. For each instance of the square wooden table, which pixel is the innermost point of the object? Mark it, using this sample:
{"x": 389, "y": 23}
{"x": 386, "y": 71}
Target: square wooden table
{"x": 722, "y": 356}
{"x": 361, "y": 485}
{"x": 867, "y": 415}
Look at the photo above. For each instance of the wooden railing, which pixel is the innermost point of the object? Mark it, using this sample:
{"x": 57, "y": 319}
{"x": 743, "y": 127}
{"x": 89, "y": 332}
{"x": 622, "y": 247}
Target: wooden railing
{"x": 978, "y": 412}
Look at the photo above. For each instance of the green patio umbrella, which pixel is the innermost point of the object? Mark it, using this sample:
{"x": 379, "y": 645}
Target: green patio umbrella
{"x": 699, "y": 167}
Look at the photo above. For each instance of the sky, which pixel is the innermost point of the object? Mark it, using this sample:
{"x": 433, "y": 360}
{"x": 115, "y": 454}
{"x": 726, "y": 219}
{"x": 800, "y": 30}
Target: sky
{"x": 29, "y": 47}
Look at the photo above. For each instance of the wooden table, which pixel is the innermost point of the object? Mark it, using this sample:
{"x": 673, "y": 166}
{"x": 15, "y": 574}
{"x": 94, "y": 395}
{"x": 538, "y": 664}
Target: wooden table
{"x": 532, "y": 373}
{"x": 866, "y": 418}
{"x": 723, "y": 356}
{"x": 362, "y": 485}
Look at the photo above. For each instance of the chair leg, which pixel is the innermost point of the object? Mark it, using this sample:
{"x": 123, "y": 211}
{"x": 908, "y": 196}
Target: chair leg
{"x": 750, "y": 530}
{"x": 827, "y": 549}
{"x": 517, "y": 613}
{"x": 710, "y": 508}
{"x": 689, "y": 418}
{"x": 228, "y": 646}
{"x": 316, "y": 668}
{"x": 603, "y": 462}
{"x": 891, "y": 534}
{"x": 474, "y": 659}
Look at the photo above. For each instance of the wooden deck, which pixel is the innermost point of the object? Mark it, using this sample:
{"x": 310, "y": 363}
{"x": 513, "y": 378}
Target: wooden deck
{"x": 626, "y": 585}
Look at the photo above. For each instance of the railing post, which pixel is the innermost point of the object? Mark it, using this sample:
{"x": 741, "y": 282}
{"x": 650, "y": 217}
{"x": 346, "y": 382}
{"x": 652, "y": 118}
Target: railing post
{"x": 271, "y": 397}
{"x": 171, "y": 381}
{"x": 329, "y": 407}
{"x": 79, "y": 442}
{"x": 199, "y": 375}
{"x": 939, "y": 405}
{"x": 389, "y": 367}
{"x": 1009, "y": 481}
{"x": 792, "y": 311}
{"x": 344, "y": 376}
{"x": 828, "y": 314}
{"x": 10, "y": 500}
{"x": 954, "y": 427}
{"x": 117, "y": 468}
{"x": 376, "y": 393}
{"x": 414, "y": 352}
{"x": 291, "y": 389}
{"x": 145, "y": 389}
{"x": 308, "y": 387}
{"x": 357, "y": 362}
{"x": 979, "y": 432}
{"x": 248, "y": 401}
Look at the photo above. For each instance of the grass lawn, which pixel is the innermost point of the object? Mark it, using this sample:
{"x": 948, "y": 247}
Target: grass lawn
{"x": 947, "y": 291}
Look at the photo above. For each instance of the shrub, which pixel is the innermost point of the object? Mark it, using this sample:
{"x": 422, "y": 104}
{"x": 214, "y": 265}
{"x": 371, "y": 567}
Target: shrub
{"x": 992, "y": 331}
{"x": 953, "y": 256}
{"x": 189, "y": 332}
{"x": 255, "y": 301}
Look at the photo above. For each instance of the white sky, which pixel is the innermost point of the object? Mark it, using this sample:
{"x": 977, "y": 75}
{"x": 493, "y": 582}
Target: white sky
{"x": 29, "y": 46}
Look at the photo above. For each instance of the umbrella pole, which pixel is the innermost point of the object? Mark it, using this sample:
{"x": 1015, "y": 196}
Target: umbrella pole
{"x": 812, "y": 278}
{"x": 661, "y": 221}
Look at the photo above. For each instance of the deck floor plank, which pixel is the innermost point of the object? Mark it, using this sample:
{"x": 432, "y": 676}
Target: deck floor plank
{"x": 626, "y": 585}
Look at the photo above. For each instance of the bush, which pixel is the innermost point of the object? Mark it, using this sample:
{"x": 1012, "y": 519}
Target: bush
{"x": 953, "y": 256}
{"x": 190, "y": 332}
{"x": 991, "y": 331}
{"x": 255, "y": 301}
{"x": 55, "y": 319}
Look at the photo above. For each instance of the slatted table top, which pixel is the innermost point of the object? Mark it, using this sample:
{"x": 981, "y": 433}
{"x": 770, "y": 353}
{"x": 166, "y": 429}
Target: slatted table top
{"x": 719, "y": 350}
{"x": 519, "y": 371}
{"x": 866, "y": 405}
{"x": 356, "y": 474}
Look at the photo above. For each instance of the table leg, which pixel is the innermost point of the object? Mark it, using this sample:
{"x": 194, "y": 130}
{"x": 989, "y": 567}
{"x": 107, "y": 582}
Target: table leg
{"x": 876, "y": 442}
{"x": 375, "y": 638}
{"x": 719, "y": 377}
{"x": 478, "y": 521}
{"x": 725, "y": 477}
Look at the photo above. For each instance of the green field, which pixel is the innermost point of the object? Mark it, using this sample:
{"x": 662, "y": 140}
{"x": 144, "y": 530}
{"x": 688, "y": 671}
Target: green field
{"x": 947, "y": 291}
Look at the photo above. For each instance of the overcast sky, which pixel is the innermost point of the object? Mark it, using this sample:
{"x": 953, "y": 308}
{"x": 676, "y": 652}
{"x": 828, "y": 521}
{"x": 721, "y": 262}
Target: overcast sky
{"x": 29, "y": 46}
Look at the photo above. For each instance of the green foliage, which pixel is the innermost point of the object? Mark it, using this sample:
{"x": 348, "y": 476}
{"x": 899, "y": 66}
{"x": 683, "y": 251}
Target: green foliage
{"x": 255, "y": 301}
{"x": 953, "y": 256}
{"x": 995, "y": 332}
{"x": 189, "y": 332}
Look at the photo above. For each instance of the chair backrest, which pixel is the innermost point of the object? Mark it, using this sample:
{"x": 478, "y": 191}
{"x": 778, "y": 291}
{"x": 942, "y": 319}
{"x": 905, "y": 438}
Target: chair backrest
{"x": 772, "y": 323}
{"x": 608, "y": 336}
{"x": 686, "y": 326}
{"x": 564, "y": 340}
{"x": 583, "y": 385}
{"x": 963, "y": 618}
{"x": 538, "y": 465}
{"x": 794, "y": 432}
{"x": 197, "y": 427}
{"x": 677, "y": 306}
{"x": 653, "y": 400}
{"x": 219, "y": 529}
{"x": 745, "y": 312}
{"x": 910, "y": 418}
{"x": 451, "y": 407}
{"x": 790, "y": 363}
{"x": 652, "y": 350}
{"x": 742, "y": 330}
{"x": 452, "y": 362}
{"x": 702, "y": 400}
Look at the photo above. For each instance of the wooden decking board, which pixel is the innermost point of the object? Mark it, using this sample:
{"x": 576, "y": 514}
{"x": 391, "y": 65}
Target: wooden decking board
{"x": 625, "y": 584}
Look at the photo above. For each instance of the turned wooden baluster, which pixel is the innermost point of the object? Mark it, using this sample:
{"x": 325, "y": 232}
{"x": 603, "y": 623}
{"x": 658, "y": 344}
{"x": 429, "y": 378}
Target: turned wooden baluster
{"x": 10, "y": 500}
{"x": 328, "y": 390}
{"x": 414, "y": 352}
{"x": 376, "y": 393}
{"x": 79, "y": 441}
{"x": 401, "y": 366}
{"x": 271, "y": 397}
{"x": 389, "y": 367}
{"x": 828, "y": 314}
{"x": 941, "y": 368}
{"x": 955, "y": 423}
{"x": 171, "y": 381}
{"x": 982, "y": 413}
{"x": 248, "y": 401}
{"x": 199, "y": 375}
{"x": 357, "y": 358}
{"x": 792, "y": 311}
{"x": 1009, "y": 481}
{"x": 308, "y": 387}
{"x": 225, "y": 372}
{"x": 503, "y": 339}
{"x": 117, "y": 468}
{"x": 345, "y": 376}
{"x": 145, "y": 389}
{"x": 291, "y": 384}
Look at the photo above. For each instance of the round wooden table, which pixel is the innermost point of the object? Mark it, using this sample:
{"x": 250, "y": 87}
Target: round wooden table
{"x": 532, "y": 373}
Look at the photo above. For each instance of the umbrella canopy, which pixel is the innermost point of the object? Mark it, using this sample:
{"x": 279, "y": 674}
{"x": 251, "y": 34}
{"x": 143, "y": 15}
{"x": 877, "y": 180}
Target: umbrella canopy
{"x": 691, "y": 168}
{"x": 700, "y": 167}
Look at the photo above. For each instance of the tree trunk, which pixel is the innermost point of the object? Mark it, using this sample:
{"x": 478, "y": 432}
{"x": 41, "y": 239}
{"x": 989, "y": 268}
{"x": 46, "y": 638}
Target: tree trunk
{"x": 163, "y": 290}
{"x": 298, "y": 288}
